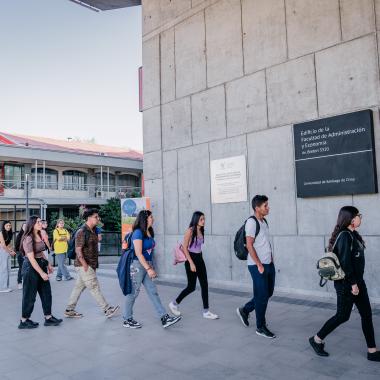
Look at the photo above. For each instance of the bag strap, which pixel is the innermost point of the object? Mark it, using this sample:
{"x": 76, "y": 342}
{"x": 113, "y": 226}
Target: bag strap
{"x": 257, "y": 224}
{"x": 352, "y": 240}
{"x": 322, "y": 282}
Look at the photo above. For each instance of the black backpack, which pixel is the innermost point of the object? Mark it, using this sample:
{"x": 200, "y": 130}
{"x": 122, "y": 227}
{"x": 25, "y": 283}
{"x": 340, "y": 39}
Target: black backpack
{"x": 240, "y": 243}
{"x": 71, "y": 254}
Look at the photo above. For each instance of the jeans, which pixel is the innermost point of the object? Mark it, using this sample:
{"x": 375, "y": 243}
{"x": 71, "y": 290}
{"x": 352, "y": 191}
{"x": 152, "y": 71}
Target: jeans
{"x": 20, "y": 260}
{"x": 33, "y": 284}
{"x": 62, "y": 269}
{"x": 140, "y": 276}
{"x": 263, "y": 287}
{"x": 345, "y": 301}
{"x": 5, "y": 267}
{"x": 201, "y": 273}
{"x": 90, "y": 281}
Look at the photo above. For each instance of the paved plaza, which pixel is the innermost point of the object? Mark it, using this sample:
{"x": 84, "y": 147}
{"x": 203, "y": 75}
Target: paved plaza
{"x": 95, "y": 348}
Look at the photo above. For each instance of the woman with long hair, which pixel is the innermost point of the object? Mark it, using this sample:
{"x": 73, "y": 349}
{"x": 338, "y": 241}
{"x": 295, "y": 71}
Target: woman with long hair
{"x": 195, "y": 265}
{"x": 20, "y": 257}
{"x": 142, "y": 271}
{"x": 6, "y": 251}
{"x": 349, "y": 247}
{"x": 35, "y": 276}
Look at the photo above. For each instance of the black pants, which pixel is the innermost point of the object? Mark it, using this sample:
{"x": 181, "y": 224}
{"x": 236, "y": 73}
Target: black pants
{"x": 20, "y": 260}
{"x": 345, "y": 301}
{"x": 33, "y": 284}
{"x": 201, "y": 273}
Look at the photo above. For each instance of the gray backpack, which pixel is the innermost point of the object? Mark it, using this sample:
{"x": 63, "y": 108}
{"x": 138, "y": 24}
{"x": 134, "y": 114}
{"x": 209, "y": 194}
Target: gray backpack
{"x": 329, "y": 268}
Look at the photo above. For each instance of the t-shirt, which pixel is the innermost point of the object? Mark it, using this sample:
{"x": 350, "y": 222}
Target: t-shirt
{"x": 147, "y": 245}
{"x": 87, "y": 239}
{"x": 60, "y": 246}
{"x": 38, "y": 247}
{"x": 262, "y": 242}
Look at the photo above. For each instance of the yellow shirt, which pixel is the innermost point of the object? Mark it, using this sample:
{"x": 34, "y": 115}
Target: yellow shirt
{"x": 60, "y": 246}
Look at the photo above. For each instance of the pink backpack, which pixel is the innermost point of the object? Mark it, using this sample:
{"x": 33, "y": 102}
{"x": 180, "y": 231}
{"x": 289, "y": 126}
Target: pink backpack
{"x": 178, "y": 254}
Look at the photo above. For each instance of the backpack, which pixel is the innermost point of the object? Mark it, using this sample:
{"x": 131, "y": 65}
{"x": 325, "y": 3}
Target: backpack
{"x": 240, "y": 242}
{"x": 123, "y": 269}
{"x": 329, "y": 266}
{"x": 71, "y": 254}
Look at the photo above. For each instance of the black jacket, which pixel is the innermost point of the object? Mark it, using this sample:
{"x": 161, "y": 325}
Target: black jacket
{"x": 350, "y": 250}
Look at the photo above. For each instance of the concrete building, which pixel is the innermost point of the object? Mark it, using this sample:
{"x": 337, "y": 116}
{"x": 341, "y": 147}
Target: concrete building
{"x": 62, "y": 175}
{"x": 225, "y": 78}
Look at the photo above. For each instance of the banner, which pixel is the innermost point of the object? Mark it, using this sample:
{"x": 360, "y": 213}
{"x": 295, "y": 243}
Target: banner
{"x": 130, "y": 207}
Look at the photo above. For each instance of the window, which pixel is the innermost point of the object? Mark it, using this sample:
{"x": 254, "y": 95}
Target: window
{"x": 74, "y": 180}
{"x": 105, "y": 183}
{"x": 128, "y": 180}
{"x": 14, "y": 176}
{"x": 51, "y": 179}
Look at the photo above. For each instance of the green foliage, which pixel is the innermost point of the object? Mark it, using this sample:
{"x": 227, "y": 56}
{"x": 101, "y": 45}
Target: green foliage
{"x": 110, "y": 214}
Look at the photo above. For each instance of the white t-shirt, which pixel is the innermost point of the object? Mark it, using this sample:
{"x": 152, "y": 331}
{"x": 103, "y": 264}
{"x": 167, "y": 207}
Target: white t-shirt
{"x": 262, "y": 242}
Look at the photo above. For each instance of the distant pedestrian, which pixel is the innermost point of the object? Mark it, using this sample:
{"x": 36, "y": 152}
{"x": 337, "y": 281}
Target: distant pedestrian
{"x": 35, "y": 272}
{"x": 349, "y": 247}
{"x": 99, "y": 231}
{"x": 86, "y": 264}
{"x": 20, "y": 257}
{"x": 6, "y": 251}
{"x": 143, "y": 273}
{"x": 260, "y": 266}
{"x": 195, "y": 265}
{"x": 60, "y": 243}
{"x": 45, "y": 238}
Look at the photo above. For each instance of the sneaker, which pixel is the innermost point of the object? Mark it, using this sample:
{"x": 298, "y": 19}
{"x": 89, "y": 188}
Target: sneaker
{"x": 174, "y": 309}
{"x": 319, "y": 348}
{"x": 59, "y": 320}
{"x": 5, "y": 290}
{"x": 243, "y": 316}
{"x": 72, "y": 314}
{"x": 58, "y": 279}
{"x": 131, "y": 324}
{"x": 19, "y": 286}
{"x": 167, "y": 320}
{"x": 69, "y": 278}
{"x": 263, "y": 331}
{"x": 209, "y": 315}
{"x": 52, "y": 322}
{"x": 28, "y": 324}
{"x": 111, "y": 311}
{"x": 374, "y": 356}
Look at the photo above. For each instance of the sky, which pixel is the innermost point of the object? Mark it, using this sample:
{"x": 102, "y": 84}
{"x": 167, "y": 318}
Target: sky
{"x": 67, "y": 71}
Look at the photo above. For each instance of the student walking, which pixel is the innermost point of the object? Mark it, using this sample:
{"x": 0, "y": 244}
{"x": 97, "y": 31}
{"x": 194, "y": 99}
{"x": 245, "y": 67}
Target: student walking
{"x": 60, "y": 243}
{"x": 142, "y": 272}
{"x": 260, "y": 266}
{"x": 35, "y": 272}
{"x": 6, "y": 250}
{"x": 86, "y": 264}
{"x": 195, "y": 265}
{"x": 349, "y": 246}
{"x": 20, "y": 257}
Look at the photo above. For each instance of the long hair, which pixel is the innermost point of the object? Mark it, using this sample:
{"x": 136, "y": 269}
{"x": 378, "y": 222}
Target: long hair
{"x": 345, "y": 216}
{"x": 7, "y": 235}
{"x": 29, "y": 231}
{"x": 194, "y": 224}
{"x": 141, "y": 223}
{"x": 58, "y": 221}
{"x": 19, "y": 237}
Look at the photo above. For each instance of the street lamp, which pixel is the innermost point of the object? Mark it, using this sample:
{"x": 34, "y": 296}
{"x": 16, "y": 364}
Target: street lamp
{"x": 27, "y": 196}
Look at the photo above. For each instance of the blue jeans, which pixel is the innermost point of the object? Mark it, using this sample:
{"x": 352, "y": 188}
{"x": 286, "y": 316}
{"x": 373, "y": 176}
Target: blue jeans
{"x": 62, "y": 269}
{"x": 139, "y": 276}
{"x": 5, "y": 267}
{"x": 263, "y": 287}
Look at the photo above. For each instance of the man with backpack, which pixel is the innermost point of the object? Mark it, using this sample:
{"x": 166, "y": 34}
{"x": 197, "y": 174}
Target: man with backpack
{"x": 260, "y": 266}
{"x": 86, "y": 263}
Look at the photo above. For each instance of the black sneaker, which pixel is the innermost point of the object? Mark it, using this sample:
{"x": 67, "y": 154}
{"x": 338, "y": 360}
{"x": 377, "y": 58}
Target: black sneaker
{"x": 59, "y": 320}
{"x": 52, "y": 322}
{"x": 28, "y": 324}
{"x": 243, "y": 316}
{"x": 167, "y": 320}
{"x": 58, "y": 279}
{"x": 263, "y": 331}
{"x": 374, "y": 356}
{"x": 319, "y": 348}
{"x": 131, "y": 324}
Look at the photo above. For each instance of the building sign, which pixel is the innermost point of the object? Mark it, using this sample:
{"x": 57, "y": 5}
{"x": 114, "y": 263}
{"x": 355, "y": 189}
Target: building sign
{"x": 336, "y": 156}
{"x": 130, "y": 207}
{"x": 228, "y": 180}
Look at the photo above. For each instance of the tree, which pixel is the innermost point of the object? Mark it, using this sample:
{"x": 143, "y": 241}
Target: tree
{"x": 110, "y": 214}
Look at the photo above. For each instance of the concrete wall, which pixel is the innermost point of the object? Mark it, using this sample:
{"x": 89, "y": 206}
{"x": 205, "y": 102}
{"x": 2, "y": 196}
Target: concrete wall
{"x": 231, "y": 77}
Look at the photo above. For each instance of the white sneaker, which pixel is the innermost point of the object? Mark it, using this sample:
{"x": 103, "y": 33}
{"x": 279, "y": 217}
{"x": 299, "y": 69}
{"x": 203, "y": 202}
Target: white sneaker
{"x": 6, "y": 290}
{"x": 209, "y": 315}
{"x": 19, "y": 286}
{"x": 174, "y": 309}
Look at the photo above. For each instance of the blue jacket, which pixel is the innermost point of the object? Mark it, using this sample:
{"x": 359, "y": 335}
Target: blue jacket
{"x": 124, "y": 267}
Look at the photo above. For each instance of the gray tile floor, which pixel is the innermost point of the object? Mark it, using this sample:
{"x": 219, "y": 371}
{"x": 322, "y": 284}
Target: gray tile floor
{"x": 95, "y": 348}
